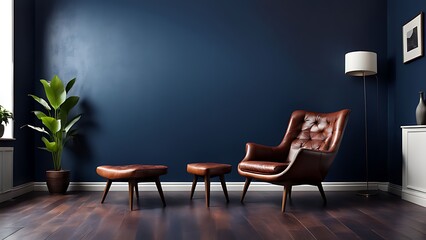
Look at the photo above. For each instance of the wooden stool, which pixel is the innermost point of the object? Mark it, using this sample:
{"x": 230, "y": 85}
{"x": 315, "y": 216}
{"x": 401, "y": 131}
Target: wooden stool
{"x": 208, "y": 170}
{"x": 133, "y": 174}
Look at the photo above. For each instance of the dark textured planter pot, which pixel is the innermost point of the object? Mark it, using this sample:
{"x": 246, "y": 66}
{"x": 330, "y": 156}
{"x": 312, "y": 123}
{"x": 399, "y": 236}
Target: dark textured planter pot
{"x": 57, "y": 181}
{"x": 1, "y": 130}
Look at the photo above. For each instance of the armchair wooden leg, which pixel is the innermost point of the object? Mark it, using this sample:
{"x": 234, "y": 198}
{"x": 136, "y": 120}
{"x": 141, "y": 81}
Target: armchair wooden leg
{"x": 160, "y": 190}
{"x": 106, "y": 190}
{"x": 137, "y": 190}
{"x": 194, "y": 183}
{"x": 131, "y": 187}
{"x": 286, "y": 191}
{"x": 207, "y": 186}
{"x": 289, "y": 188}
{"x": 225, "y": 191}
{"x": 322, "y": 193}
{"x": 246, "y": 186}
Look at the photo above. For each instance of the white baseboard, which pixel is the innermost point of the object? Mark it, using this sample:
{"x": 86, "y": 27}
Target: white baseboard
{"x": 390, "y": 188}
{"x": 395, "y": 189}
{"x": 215, "y": 186}
{"x": 416, "y": 197}
{"x": 16, "y": 191}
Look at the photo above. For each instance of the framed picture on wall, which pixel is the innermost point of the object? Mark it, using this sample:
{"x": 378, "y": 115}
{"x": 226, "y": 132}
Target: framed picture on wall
{"x": 412, "y": 38}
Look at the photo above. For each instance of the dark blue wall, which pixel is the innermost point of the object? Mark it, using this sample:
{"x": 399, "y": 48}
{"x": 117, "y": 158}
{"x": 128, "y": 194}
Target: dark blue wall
{"x": 405, "y": 81}
{"x": 174, "y": 82}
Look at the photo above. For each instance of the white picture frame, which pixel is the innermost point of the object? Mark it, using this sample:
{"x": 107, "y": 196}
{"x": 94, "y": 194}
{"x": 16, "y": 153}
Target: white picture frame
{"x": 412, "y": 38}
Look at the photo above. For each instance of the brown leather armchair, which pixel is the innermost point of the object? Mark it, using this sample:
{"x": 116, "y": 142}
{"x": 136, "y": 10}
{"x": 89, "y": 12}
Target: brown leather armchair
{"x": 303, "y": 157}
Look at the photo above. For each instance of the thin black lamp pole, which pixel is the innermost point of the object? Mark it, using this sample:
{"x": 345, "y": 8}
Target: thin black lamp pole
{"x": 366, "y": 131}
{"x": 367, "y": 192}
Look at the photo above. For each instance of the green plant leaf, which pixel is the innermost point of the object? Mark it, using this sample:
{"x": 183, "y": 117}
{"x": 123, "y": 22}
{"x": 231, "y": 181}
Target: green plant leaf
{"x": 50, "y": 146}
{"x": 55, "y": 91}
{"x": 41, "y": 101}
{"x": 70, "y": 84}
{"x": 72, "y": 122}
{"x": 52, "y": 124}
{"x": 66, "y": 107}
{"x": 69, "y": 103}
{"x": 42, "y": 148}
{"x": 72, "y": 133}
{"x": 39, "y": 129}
{"x": 39, "y": 114}
{"x": 5, "y": 115}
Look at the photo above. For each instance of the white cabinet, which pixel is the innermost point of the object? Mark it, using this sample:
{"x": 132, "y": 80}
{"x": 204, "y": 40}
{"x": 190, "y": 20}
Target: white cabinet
{"x": 414, "y": 164}
{"x": 6, "y": 169}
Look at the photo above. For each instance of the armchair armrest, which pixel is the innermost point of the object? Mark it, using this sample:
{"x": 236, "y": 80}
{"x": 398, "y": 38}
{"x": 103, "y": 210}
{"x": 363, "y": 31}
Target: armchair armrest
{"x": 262, "y": 153}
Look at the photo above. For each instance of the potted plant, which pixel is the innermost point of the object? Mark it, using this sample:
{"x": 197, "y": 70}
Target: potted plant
{"x": 5, "y": 115}
{"x": 56, "y": 128}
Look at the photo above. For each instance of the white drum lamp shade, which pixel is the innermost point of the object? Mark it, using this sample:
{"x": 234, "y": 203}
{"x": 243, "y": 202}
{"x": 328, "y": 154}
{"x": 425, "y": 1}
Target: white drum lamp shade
{"x": 360, "y": 63}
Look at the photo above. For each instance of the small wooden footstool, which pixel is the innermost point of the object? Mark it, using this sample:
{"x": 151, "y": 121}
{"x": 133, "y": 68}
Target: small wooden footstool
{"x": 208, "y": 170}
{"x": 133, "y": 174}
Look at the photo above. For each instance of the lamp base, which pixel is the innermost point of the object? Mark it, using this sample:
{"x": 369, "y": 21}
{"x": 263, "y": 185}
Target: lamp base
{"x": 367, "y": 193}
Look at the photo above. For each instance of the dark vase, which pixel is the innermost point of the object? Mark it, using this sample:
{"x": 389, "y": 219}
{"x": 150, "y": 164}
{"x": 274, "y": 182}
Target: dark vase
{"x": 421, "y": 110}
{"x": 57, "y": 181}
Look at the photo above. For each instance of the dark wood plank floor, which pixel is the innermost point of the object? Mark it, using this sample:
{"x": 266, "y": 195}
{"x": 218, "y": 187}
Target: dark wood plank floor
{"x": 79, "y": 215}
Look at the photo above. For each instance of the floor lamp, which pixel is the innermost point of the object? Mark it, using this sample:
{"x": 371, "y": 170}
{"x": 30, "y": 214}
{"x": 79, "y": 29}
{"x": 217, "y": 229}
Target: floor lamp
{"x": 362, "y": 64}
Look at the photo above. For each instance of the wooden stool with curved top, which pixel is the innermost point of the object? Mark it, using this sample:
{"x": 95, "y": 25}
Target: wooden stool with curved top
{"x": 208, "y": 170}
{"x": 133, "y": 174}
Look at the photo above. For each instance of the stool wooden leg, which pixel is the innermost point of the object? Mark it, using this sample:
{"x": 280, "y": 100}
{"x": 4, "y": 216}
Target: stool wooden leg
{"x": 194, "y": 183}
{"x": 131, "y": 187}
{"x": 160, "y": 190}
{"x": 107, "y": 187}
{"x": 225, "y": 191}
{"x": 207, "y": 186}
{"x": 137, "y": 190}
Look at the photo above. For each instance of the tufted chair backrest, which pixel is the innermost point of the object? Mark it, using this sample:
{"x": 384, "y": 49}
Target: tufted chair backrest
{"x": 316, "y": 131}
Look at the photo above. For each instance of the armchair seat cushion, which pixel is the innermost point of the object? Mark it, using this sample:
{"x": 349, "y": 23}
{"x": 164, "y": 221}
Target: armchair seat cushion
{"x": 263, "y": 167}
